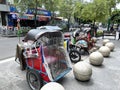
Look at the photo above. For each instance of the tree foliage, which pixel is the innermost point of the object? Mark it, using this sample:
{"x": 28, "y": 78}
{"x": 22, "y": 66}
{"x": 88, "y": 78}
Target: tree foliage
{"x": 98, "y": 10}
{"x": 66, "y": 9}
{"x": 51, "y": 5}
{"x": 23, "y": 5}
{"x": 115, "y": 18}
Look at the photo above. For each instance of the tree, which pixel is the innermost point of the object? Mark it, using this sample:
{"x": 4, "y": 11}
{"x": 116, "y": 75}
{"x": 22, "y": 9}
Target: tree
{"x": 52, "y": 5}
{"x": 67, "y": 8}
{"x": 110, "y": 4}
{"x": 115, "y": 18}
{"x": 99, "y": 11}
{"x": 78, "y": 11}
{"x": 94, "y": 11}
{"x": 23, "y": 5}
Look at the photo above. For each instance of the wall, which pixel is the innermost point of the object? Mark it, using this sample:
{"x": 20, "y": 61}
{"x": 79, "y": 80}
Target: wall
{"x": 4, "y": 8}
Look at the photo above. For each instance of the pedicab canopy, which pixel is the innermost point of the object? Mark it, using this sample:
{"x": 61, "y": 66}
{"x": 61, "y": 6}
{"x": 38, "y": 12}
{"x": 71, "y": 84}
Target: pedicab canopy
{"x": 54, "y": 57}
{"x": 34, "y": 34}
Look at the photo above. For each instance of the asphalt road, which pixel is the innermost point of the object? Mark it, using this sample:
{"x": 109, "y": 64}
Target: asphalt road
{"x": 105, "y": 77}
{"x": 8, "y": 46}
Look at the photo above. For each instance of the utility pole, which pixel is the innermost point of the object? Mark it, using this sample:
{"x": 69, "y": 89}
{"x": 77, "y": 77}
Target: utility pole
{"x": 35, "y": 15}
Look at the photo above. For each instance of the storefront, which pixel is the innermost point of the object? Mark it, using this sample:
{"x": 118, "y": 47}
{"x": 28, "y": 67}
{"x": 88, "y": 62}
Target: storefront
{"x": 28, "y": 19}
{"x": 4, "y": 10}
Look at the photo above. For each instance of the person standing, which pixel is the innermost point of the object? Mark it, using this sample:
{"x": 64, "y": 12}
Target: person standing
{"x": 95, "y": 30}
{"x": 119, "y": 31}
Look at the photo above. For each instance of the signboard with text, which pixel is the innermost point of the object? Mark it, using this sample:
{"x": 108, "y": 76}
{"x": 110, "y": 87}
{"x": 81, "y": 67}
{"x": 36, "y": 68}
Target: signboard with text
{"x": 32, "y": 11}
{"x": 39, "y": 12}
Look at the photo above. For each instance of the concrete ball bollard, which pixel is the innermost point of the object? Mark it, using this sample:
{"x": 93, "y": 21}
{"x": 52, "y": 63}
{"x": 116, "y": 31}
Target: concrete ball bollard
{"x": 104, "y": 50}
{"x": 110, "y": 45}
{"x": 52, "y": 86}
{"x": 82, "y": 71}
{"x": 94, "y": 39}
{"x": 96, "y": 58}
{"x": 105, "y": 41}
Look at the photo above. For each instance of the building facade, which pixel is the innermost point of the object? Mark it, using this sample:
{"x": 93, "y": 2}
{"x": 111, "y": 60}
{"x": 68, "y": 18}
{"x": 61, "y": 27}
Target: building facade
{"x": 28, "y": 18}
{"x": 4, "y": 10}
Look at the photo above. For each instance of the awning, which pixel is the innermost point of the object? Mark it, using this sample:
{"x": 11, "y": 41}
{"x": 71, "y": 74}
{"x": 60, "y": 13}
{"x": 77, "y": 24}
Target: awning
{"x": 30, "y": 17}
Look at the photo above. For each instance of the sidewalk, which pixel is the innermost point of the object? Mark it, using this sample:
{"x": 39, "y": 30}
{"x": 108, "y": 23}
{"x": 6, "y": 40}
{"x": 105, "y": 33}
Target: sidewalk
{"x": 11, "y": 77}
{"x": 105, "y": 77}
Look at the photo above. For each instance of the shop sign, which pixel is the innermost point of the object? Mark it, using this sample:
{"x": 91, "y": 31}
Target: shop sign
{"x": 39, "y": 12}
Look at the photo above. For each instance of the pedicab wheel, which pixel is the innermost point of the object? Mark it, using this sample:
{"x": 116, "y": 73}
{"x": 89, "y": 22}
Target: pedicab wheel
{"x": 75, "y": 56}
{"x": 34, "y": 80}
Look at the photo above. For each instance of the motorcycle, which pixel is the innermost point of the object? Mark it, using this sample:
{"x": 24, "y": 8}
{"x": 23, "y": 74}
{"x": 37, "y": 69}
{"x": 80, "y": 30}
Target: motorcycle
{"x": 84, "y": 46}
{"x": 74, "y": 54}
{"x": 82, "y": 38}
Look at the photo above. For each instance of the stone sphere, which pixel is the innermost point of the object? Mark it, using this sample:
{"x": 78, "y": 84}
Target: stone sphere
{"x": 94, "y": 39}
{"x": 52, "y": 86}
{"x": 105, "y": 41}
{"x": 105, "y": 51}
{"x": 96, "y": 58}
{"x": 110, "y": 45}
{"x": 82, "y": 71}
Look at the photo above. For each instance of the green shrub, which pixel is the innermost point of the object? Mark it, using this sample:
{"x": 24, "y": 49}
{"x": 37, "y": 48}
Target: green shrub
{"x": 99, "y": 33}
{"x": 22, "y": 32}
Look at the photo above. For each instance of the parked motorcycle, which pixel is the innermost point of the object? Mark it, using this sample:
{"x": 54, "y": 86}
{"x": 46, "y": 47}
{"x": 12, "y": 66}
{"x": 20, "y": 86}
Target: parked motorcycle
{"x": 84, "y": 46}
{"x": 74, "y": 54}
{"x": 82, "y": 38}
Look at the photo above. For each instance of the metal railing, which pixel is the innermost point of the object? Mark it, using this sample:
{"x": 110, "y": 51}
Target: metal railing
{"x": 13, "y": 32}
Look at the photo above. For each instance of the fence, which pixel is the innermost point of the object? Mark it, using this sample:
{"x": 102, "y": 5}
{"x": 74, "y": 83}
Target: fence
{"x": 13, "y": 32}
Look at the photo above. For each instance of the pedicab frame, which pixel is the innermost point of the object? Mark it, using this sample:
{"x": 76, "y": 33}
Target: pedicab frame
{"x": 40, "y": 65}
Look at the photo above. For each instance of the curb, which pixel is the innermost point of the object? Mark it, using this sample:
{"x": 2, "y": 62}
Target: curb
{"x": 7, "y": 60}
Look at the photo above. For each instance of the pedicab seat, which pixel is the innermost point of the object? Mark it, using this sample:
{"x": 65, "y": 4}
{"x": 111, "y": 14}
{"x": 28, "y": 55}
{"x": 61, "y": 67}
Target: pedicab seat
{"x": 50, "y": 57}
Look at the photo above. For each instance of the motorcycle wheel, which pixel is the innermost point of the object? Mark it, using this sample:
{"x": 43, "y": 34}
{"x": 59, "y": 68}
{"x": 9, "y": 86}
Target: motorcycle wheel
{"x": 75, "y": 56}
{"x": 34, "y": 80}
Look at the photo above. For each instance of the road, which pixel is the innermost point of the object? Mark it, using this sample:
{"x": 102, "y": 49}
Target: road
{"x": 8, "y": 46}
{"x": 105, "y": 77}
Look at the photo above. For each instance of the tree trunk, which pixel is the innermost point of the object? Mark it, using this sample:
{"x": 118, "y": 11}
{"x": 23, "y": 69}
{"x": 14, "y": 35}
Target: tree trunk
{"x": 68, "y": 25}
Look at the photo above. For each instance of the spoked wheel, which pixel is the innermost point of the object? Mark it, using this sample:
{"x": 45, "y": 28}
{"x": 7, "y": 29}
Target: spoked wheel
{"x": 34, "y": 80}
{"x": 75, "y": 56}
